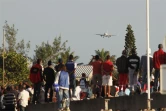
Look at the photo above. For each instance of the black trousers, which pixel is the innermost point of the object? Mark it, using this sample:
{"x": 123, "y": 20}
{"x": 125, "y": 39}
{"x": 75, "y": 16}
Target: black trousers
{"x": 36, "y": 94}
{"x": 47, "y": 86}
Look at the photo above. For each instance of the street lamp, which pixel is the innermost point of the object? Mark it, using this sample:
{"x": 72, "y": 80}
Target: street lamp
{"x": 148, "y": 68}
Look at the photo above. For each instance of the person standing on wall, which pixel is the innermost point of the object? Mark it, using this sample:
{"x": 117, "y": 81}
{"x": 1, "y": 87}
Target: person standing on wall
{"x": 107, "y": 69}
{"x": 133, "y": 67}
{"x": 122, "y": 66}
{"x": 49, "y": 78}
{"x": 143, "y": 69}
{"x": 96, "y": 62}
{"x": 36, "y": 78}
{"x": 159, "y": 58}
{"x": 71, "y": 66}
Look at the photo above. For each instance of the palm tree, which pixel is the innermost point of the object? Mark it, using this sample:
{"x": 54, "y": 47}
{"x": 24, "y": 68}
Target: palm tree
{"x": 102, "y": 54}
{"x": 65, "y": 55}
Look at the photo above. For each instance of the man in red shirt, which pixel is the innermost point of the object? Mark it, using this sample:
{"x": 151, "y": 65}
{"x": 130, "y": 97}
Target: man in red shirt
{"x": 107, "y": 68}
{"x": 97, "y": 77}
{"x": 159, "y": 58}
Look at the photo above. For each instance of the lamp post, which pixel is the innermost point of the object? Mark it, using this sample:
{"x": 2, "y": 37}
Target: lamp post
{"x": 3, "y": 57}
{"x": 148, "y": 68}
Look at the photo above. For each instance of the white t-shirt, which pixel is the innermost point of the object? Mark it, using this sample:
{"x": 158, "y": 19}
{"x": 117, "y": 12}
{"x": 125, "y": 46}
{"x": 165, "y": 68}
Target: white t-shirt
{"x": 57, "y": 77}
{"x": 77, "y": 93}
{"x": 23, "y": 98}
{"x": 2, "y": 106}
{"x": 30, "y": 90}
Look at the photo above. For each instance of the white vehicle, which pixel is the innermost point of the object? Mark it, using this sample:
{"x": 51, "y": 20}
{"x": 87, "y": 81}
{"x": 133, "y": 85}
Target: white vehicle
{"x": 106, "y": 35}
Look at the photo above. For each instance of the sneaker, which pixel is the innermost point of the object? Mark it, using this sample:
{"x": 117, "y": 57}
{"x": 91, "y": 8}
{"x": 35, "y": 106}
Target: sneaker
{"x": 100, "y": 96}
{"x": 67, "y": 109}
{"x": 60, "y": 109}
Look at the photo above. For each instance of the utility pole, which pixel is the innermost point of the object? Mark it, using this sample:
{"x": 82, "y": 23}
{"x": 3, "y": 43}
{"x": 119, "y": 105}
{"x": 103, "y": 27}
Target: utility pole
{"x": 3, "y": 56}
{"x": 148, "y": 68}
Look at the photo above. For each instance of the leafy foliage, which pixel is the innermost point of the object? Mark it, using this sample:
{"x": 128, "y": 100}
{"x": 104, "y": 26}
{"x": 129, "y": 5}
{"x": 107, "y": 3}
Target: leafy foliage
{"x": 50, "y": 51}
{"x": 103, "y": 54}
{"x": 129, "y": 40}
{"x": 65, "y": 55}
{"x": 16, "y": 62}
{"x": 53, "y": 51}
{"x": 16, "y": 67}
{"x": 12, "y": 46}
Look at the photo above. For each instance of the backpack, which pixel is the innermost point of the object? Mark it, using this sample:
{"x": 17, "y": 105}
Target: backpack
{"x": 82, "y": 83}
{"x": 35, "y": 73}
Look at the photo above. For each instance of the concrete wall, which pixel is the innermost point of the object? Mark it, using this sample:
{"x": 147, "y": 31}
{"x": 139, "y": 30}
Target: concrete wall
{"x": 116, "y": 103}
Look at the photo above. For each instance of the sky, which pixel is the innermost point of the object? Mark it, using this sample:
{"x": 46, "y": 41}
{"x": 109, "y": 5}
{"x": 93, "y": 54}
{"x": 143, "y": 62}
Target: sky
{"x": 78, "y": 21}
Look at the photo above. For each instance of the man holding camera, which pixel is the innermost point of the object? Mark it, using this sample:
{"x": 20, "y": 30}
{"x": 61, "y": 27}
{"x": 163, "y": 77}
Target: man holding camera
{"x": 96, "y": 62}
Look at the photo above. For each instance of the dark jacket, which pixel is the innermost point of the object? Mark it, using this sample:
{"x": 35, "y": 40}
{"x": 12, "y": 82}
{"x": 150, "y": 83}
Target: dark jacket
{"x": 49, "y": 75}
{"x": 134, "y": 62}
{"x": 121, "y": 64}
{"x": 143, "y": 63}
{"x": 57, "y": 67}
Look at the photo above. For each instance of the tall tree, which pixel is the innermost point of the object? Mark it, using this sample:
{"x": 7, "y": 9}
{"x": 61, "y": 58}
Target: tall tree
{"x": 10, "y": 35}
{"x": 129, "y": 40}
{"x": 47, "y": 51}
{"x": 12, "y": 45}
{"x": 16, "y": 60}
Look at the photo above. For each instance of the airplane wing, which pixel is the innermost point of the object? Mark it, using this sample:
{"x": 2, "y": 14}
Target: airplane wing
{"x": 110, "y": 35}
{"x": 100, "y": 34}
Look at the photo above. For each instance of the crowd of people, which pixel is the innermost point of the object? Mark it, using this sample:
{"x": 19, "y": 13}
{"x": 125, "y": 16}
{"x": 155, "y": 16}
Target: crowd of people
{"x": 60, "y": 84}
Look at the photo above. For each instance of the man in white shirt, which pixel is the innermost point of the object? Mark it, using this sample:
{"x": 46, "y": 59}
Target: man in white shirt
{"x": 23, "y": 98}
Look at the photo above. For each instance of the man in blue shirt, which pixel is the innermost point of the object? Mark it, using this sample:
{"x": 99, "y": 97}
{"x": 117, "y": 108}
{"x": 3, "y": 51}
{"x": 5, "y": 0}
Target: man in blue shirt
{"x": 71, "y": 66}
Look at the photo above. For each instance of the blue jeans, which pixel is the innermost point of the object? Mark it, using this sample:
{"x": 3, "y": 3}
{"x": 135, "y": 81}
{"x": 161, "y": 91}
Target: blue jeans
{"x": 21, "y": 108}
{"x": 63, "y": 94}
{"x": 156, "y": 77}
{"x": 72, "y": 85}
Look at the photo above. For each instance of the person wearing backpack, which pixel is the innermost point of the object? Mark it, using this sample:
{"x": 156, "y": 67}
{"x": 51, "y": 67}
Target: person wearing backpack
{"x": 49, "y": 78}
{"x": 37, "y": 79}
{"x": 83, "y": 82}
{"x": 83, "y": 86}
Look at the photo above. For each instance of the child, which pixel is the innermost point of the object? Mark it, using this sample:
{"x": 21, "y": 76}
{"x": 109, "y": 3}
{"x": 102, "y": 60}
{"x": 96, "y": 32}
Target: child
{"x": 77, "y": 92}
{"x": 83, "y": 82}
{"x": 89, "y": 92}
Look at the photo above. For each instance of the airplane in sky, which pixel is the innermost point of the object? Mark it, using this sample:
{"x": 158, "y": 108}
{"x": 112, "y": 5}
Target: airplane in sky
{"x": 105, "y": 35}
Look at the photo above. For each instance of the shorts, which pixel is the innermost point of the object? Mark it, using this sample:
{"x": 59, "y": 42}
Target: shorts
{"x": 97, "y": 79}
{"x": 123, "y": 78}
{"x": 107, "y": 80}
